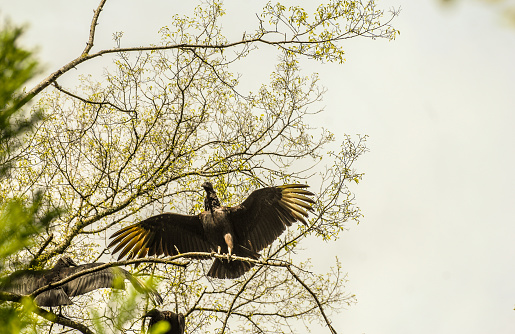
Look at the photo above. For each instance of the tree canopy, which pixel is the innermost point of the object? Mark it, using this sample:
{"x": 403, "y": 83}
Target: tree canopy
{"x": 164, "y": 119}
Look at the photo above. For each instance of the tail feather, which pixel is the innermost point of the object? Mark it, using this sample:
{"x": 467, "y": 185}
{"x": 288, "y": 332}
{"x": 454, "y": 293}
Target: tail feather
{"x": 222, "y": 268}
{"x": 54, "y": 297}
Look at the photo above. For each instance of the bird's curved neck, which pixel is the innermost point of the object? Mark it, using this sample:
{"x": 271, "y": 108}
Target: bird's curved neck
{"x": 211, "y": 202}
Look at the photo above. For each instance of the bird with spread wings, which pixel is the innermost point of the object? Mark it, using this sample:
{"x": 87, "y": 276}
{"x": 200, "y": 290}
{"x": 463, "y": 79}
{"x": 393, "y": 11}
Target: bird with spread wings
{"x": 242, "y": 230}
{"x": 25, "y": 282}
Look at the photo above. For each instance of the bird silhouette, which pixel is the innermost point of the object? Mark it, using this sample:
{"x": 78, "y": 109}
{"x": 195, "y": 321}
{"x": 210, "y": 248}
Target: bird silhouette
{"x": 242, "y": 230}
{"x": 176, "y": 321}
{"x": 24, "y": 282}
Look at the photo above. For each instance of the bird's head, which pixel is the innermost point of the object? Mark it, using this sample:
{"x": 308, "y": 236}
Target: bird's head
{"x": 65, "y": 261}
{"x": 207, "y": 186}
{"x": 152, "y": 313}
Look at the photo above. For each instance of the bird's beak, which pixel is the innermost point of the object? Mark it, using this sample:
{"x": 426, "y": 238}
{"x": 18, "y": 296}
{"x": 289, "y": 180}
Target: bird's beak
{"x": 147, "y": 315}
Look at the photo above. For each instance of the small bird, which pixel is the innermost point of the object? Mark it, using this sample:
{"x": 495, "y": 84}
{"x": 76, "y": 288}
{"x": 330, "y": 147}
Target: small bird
{"x": 177, "y": 321}
{"x": 242, "y": 230}
{"x": 24, "y": 282}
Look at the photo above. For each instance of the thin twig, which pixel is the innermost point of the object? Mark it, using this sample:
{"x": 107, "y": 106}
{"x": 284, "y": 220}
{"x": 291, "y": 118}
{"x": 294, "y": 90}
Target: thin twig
{"x": 333, "y": 331}
{"x": 92, "y": 28}
{"x": 40, "y": 251}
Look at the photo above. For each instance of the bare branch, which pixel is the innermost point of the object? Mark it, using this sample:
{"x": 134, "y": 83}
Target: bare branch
{"x": 92, "y": 28}
{"x": 52, "y": 317}
{"x": 333, "y": 331}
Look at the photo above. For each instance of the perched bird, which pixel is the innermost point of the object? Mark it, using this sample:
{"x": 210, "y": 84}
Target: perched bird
{"x": 177, "y": 321}
{"x": 241, "y": 230}
{"x": 25, "y": 282}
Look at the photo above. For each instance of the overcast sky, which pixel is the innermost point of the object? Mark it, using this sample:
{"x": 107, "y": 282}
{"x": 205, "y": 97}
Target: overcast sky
{"x": 435, "y": 251}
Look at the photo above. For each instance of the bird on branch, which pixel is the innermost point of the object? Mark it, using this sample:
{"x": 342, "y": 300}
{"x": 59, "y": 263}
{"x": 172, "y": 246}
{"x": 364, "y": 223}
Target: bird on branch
{"x": 25, "y": 282}
{"x": 242, "y": 230}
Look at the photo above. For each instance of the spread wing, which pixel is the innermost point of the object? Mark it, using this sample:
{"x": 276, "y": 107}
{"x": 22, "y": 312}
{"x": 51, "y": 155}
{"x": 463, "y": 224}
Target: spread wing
{"x": 264, "y": 215}
{"x": 24, "y": 282}
{"x": 105, "y": 278}
{"x": 167, "y": 233}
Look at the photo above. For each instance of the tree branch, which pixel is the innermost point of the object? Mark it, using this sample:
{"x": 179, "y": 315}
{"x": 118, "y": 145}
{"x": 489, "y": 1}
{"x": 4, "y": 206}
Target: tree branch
{"x": 170, "y": 260}
{"x": 333, "y": 331}
{"x": 84, "y": 57}
{"x": 50, "y": 316}
{"x": 92, "y": 28}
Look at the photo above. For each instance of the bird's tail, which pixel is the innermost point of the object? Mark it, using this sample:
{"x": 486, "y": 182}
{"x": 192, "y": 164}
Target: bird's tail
{"x": 54, "y": 297}
{"x": 222, "y": 268}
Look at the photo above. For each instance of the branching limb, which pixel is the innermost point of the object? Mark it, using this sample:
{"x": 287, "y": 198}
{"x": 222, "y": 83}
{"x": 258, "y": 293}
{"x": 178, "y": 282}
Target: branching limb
{"x": 333, "y": 331}
{"x": 83, "y": 57}
{"x": 75, "y": 96}
{"x": 293, "y": 44}
{"x": 235, "y": 298}
{"x": 41, "y": 249}
{"x": 52, "y": 317}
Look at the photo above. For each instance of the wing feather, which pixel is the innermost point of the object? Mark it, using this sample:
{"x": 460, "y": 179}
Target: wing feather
{"x": 23, "y": 282}
{"x": 112, "y": 277}
{"x": 142, "y": 253}
{"x": 291, "y": 209}
{"x": 139, "y": 247}
{"x": 266, "y": 213}
{"x": 144, "y": 246}
{"x": 300, "y": 201}
{"x": 283, "y": 216}
{"x": 127, "y": 237}
{"x": 161, "y": 234}
{"x": 87, "y": 282}
{"x": 135, "y": 239}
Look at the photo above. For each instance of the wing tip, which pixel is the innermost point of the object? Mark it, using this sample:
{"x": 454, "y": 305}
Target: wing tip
{"x": 293, "y": 185}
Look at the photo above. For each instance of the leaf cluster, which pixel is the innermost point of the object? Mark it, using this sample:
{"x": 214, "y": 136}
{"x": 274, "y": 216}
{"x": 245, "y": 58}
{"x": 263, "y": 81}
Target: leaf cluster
{"x": 20, "y": 219}
{"x": 163, "y": 119}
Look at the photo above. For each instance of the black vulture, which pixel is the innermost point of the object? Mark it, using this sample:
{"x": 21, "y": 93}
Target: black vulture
{"x": 242, "y": 230}
{"x": 176, "y": 321}
{"x": 25, "y": 282}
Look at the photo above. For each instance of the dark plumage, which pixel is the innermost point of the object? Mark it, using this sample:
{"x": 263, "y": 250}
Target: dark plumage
{"x": 25, "y": 282}
{"x": 177, "y": 321}
{"x": 241, "y": 230}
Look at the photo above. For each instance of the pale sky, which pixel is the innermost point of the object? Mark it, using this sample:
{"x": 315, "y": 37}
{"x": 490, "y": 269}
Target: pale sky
{"x": 435, "y": 251}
